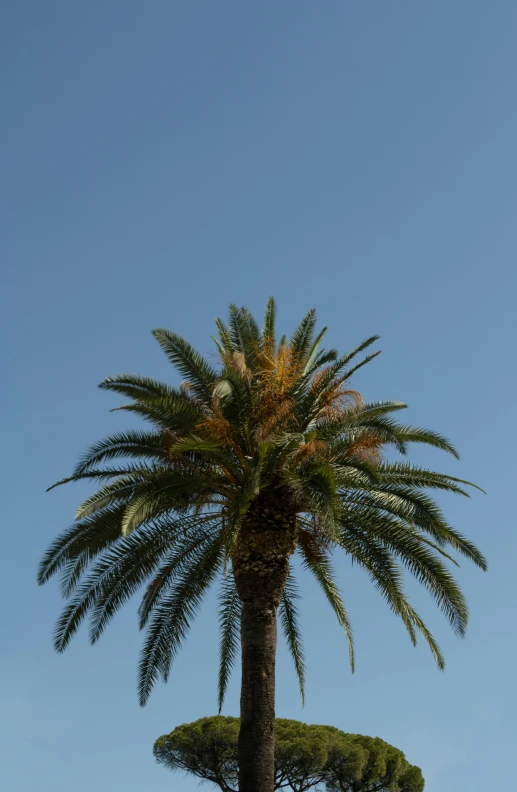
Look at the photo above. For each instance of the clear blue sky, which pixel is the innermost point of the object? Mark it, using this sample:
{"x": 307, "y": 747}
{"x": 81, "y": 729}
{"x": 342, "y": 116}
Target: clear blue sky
{"x": 162, "y": 159}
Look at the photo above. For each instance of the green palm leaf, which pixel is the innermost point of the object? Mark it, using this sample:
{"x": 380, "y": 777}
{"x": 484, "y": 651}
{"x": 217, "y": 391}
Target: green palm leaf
{"x": 269, "y": 328}
{"x": 188, "y": 362}
{"x": 288, "y": 614}
{"x": 320, "y": 566}
{"x": 172, "y": 618}
{"x": 230, "y": 608}
{"x": 250, "y": 459}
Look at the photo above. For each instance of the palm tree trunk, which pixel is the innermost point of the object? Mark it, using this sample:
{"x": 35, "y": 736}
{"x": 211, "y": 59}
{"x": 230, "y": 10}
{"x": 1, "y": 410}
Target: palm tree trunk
{"x": 260, "y": 564}
{"x": 256, "y": 750}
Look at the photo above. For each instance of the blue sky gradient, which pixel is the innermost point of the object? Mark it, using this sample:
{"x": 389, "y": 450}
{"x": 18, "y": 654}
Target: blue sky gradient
{"x": 160, "y": 160}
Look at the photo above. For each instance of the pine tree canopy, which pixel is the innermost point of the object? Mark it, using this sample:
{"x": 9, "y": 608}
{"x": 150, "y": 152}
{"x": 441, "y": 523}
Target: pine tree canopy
{"x": 306, "y": 757}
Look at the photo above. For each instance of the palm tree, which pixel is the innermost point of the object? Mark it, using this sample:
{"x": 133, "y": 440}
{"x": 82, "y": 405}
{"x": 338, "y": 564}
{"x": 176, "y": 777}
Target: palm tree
{"x": 244, "y": 464}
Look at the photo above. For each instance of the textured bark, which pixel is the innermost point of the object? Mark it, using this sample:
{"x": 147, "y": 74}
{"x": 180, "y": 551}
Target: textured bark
{"x": 260, "y": 565}
{"x": 257, "y": 731}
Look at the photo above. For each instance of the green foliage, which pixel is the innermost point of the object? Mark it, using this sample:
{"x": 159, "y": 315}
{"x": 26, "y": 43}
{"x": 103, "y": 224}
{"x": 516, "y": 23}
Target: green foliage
{"x": 274, "y": 418}
{"x": 319, "y": 757}
{"x": 288, "y": 613}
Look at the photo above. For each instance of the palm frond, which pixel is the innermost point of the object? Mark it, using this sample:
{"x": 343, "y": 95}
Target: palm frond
{"x": 225, "y": 340}
{"x": 301, "y": 343}
{"x": 320, "y": 566}
{"x": 188, "y": 362}
{"x": 71, "y": 573}
{"x": 91, "y": 536}
{"x": 422, "y": 563}
{"x": 269, "y": 327}
{"x": 312, "y": 351}
{"x": 185, "y": 540}
{"x": 387, "y": 578}
{"x": 344, "y": 376}
{"x": 412, "y": 475}
{"x": 171, "y": 620}
{"x": 432, "y": 644}
{"x": 411, "y": 434}
{"x": 316, "y": 486}
{"x": 288, "y": 615}
{"x": 105, "y": 473}
{"x": 244, "y": 333}
{"x": 467, "y": 548}
{"x": 184, "y": 418}
{"x": 336, "y": 370}
{"x": 235, "y": 397}
{"x": 134, "y": 443}
{"x": 230, "y": 608}
{"x": 118, "y": 491}
{"x": 145, "y": 390}
{"x": 183, "y": 555}
{"x": 403, "y": 503}
{"x": 138, "y": 553}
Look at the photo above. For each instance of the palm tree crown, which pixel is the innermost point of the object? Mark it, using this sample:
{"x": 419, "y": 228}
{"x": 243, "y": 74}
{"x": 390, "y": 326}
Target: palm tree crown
{"x": 274, "y": 434}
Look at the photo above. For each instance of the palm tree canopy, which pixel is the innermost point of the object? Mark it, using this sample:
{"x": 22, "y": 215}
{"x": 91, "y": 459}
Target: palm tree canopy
{"x": 276, "y": 424}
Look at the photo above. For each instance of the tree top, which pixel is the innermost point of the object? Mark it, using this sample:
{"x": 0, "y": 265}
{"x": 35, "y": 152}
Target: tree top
{"x": 306, "y": 757}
